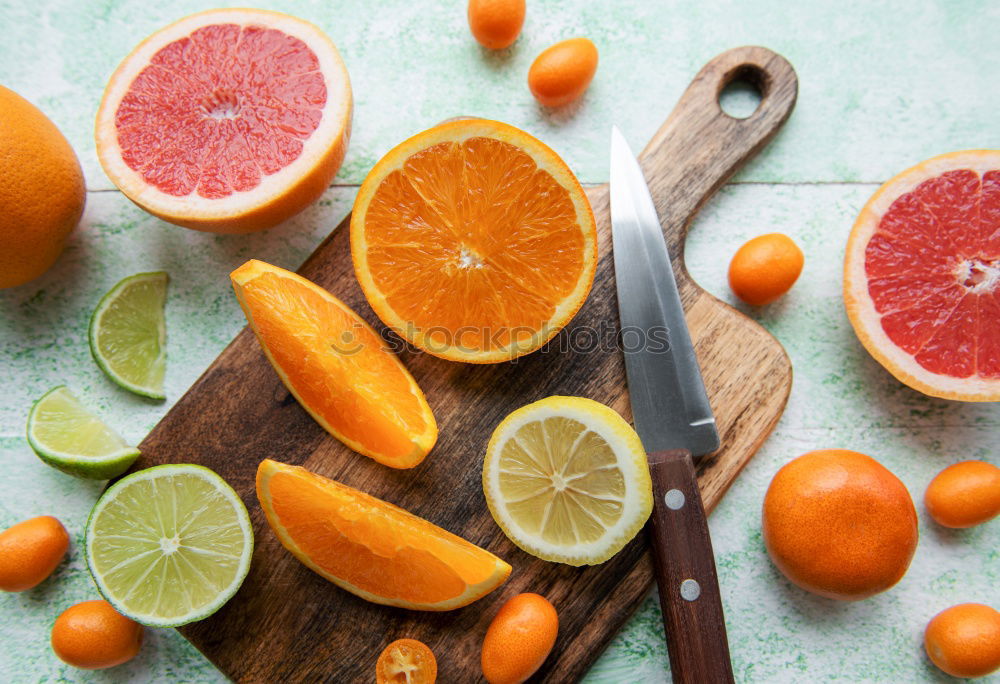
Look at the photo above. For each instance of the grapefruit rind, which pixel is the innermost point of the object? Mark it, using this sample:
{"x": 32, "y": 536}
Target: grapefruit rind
{"x": 279, "y": 195}
{"x": 860, "y": 307}
{"x": 457, "y": 131}
{"x": 422, "y": 443}
{"x": 474, "y": 592}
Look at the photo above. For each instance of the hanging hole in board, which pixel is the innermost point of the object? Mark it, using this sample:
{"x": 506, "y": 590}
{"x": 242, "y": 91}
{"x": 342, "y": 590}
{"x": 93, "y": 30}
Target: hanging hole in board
{"x": 743, "y": 91}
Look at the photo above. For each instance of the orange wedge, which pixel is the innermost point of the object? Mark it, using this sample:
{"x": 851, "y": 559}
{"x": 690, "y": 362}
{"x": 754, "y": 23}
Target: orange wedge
{"x": 371, "y": 548}
{"x": 474, "y": 241}
{"x": 338, "y": 368}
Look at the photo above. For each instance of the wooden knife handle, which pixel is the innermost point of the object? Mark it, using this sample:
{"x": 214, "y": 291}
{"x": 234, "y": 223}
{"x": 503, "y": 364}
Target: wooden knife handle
{"x": 685, "y": 572}
{"x": 700, "y": 146}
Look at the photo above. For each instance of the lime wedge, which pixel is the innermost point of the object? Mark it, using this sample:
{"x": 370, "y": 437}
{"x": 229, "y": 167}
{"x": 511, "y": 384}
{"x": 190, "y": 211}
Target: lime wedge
{"x": 70, "y": 437}
{"x": 169, "y": 545}
{"x": 128, "y": 334}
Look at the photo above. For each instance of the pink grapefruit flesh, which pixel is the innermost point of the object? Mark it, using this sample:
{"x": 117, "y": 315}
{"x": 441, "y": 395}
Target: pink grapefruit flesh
{"x": 228, "y": 120}
{"x": 922, "y": 276}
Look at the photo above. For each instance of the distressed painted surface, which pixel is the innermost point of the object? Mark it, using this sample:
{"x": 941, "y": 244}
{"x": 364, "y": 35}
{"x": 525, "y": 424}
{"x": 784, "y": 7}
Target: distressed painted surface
{"x": 882, "y": 85}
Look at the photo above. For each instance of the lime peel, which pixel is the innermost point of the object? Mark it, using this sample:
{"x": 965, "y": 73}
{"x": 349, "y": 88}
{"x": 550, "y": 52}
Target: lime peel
{"x": 128, "y": 333}
{"x": 71, "y": 438}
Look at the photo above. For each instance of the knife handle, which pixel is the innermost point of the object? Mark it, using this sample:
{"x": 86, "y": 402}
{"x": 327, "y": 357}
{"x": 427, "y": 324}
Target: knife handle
{"x": 685, "y": 572}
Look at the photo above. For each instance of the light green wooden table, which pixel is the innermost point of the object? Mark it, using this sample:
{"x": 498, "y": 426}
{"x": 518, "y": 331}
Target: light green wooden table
{"x": 882, "y": 86}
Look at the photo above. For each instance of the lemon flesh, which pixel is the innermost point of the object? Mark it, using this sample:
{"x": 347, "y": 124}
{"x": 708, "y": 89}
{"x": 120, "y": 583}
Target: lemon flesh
{"x": 128, "y": 334}
{"x": 169, "y": 545}
{"x": 566, "y": 479}
{"x": 70, "y": 437}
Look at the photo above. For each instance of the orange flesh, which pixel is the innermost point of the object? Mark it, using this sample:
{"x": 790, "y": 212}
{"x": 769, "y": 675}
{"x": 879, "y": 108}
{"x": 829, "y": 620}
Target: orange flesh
{"x": 406, "y": 661}
{"x": 933, "y": 268}
{"x": 337, "y": 366}
{"x": 473, "y": 243}
{"x": 371, "y": 544}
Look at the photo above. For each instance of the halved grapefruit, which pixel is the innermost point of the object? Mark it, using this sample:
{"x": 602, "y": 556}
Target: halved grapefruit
{"x": 922, "y": 276}
{"x": 474, "y": 241}
{"x": 228, "y": 121}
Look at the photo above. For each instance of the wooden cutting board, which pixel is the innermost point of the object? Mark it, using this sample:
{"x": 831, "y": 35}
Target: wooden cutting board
{"x": 288, "y": 624}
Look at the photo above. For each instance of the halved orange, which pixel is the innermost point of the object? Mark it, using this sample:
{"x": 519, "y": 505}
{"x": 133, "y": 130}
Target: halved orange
{"x": 474, "y": 241}
{"x": 340, "y": 370}
{"x": 230, "y": 120}
{"x": 922, "y": 276}
{"x": 371, "y": 548}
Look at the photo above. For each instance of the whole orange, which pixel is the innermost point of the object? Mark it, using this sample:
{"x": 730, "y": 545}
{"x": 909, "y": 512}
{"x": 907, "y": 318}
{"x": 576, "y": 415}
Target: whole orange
{"x": 765, "y": 268}
{"x": 495, "y": 24}
{"x": 406, "y": 661}
{"x": 964, "y": 640}
{"x": 30, "y": 551}
{"x": 964, "y": 494}
{"x": 92, "y": 635}
{"x": 41, "y": 191}
{"x": 519, "y": 639}
{"x": 562, "y": 72}
{"x": 839, "y": 524}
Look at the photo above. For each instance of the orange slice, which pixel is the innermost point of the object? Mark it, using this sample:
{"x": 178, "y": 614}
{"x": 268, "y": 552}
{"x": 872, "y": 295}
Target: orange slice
{"x": 229, "y": 121}
{"x": 338, "y": 368}
{"x": 371, "y": 548}
{"x": 922, "y": 276}
{"x": 474, "y": 241}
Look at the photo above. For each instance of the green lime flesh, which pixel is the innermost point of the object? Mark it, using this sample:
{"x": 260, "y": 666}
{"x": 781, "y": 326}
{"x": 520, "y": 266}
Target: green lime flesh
{"x": 128, "y": 333}
{"x": 70, "y": 437}
{"x": 169, "y": 545}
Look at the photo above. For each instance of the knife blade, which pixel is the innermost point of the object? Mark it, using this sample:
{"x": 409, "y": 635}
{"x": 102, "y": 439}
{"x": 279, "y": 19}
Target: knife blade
{"x": 669, "y": 403}
{"x": 674, "y": 420}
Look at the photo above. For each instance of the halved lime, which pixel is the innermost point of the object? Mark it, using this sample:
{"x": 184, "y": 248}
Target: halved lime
{"x": 70, "y": 437}
{"x": 128, "y": 334}
{"x": 169, "y": 545}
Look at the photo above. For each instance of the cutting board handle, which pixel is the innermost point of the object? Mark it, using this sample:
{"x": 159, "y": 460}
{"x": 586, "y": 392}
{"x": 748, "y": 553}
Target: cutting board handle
{"x": 700, "y": 146}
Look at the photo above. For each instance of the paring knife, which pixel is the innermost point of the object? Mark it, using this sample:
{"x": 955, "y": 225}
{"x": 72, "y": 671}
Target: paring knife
{"x": 672, "y": 415}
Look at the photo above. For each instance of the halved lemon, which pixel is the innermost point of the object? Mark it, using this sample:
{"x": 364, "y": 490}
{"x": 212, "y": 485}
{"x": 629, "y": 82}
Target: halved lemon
{"x": 566, "y": 479}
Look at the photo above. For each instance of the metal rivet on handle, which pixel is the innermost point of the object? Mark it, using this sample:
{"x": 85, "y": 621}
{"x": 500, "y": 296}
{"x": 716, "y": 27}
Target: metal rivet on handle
{"x": 690, "y": 590}
{"x": 674, "y": 499}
